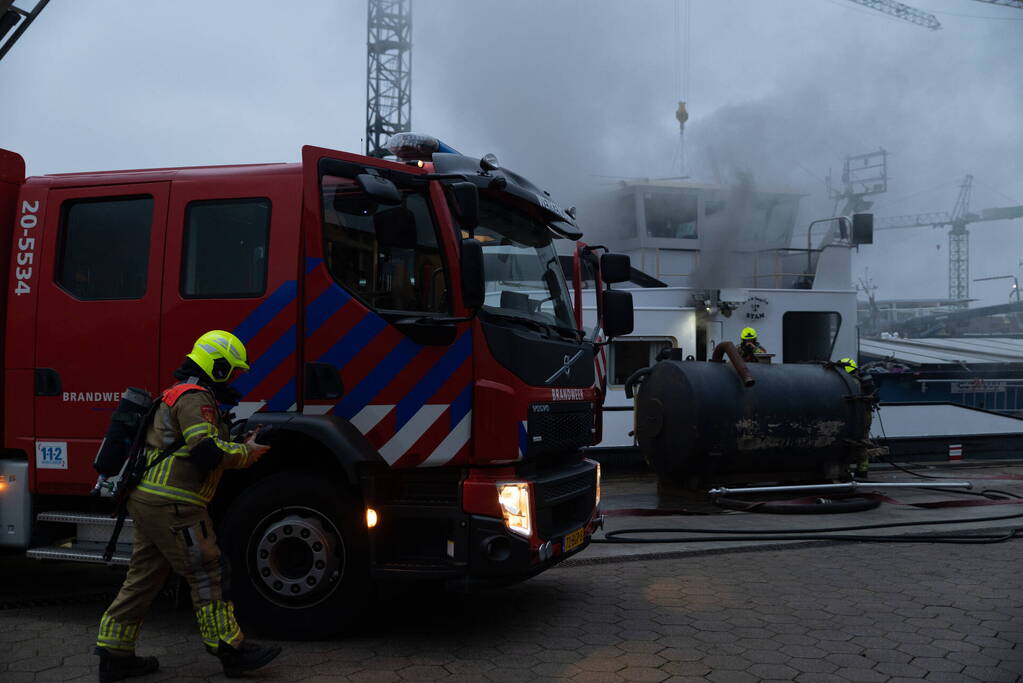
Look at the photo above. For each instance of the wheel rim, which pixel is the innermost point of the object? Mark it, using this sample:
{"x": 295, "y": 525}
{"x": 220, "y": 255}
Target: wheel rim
{"x": 296, "y": 557}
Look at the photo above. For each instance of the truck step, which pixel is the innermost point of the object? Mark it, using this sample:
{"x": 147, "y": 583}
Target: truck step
{"x": 90, "y": 527}
{"x": 81, "y": 518}
{"x": 73, "y": 554}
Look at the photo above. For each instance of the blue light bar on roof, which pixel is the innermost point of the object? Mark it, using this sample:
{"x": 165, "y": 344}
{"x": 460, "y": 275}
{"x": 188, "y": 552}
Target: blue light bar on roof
{"x": 413, "y": 146}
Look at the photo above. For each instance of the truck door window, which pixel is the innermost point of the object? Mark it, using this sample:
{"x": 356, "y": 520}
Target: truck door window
{"x": 387, "y": 255}
{"x": 104, "y": 247}
{"x": 225, "y": 248}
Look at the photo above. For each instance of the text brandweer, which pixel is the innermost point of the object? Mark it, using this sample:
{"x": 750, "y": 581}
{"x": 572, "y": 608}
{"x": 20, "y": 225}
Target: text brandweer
{"x": 92, "y": 396}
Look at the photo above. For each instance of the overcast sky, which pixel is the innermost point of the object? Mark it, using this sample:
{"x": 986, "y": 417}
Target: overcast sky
{"x": 569, "y": 92}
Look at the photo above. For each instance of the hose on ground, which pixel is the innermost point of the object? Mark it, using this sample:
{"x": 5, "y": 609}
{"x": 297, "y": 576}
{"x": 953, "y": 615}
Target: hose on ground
{"x": 824, "y": 533}
{"x": 968, "y": 539}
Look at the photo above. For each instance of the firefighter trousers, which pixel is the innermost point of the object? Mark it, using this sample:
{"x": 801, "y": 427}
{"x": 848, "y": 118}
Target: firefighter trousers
{"x": 178, "y": 537}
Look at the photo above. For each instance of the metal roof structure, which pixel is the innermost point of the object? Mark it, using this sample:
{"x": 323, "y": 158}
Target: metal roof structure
{"x": 943, "y": 350}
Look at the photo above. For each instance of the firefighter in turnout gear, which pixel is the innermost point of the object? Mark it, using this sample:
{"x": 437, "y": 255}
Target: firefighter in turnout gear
{"x": 173, "y": 530}
{"x": 868, "y": 392}
{"x": 749, "y": 346}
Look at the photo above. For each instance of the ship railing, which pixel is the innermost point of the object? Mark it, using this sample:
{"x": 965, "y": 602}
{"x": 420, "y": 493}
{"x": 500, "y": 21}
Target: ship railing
{"x": 779, "y": 272}
{"x": 775, "y": 268}
{"x": 1003, "y": 395}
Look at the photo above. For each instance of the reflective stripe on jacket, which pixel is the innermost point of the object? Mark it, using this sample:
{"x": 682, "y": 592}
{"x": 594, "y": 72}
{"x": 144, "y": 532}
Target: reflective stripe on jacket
{"x": 193, "y": 415}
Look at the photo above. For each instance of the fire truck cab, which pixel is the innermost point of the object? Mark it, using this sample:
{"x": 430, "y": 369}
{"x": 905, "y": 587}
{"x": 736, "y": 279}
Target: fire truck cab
{"x": 413, "y": 346}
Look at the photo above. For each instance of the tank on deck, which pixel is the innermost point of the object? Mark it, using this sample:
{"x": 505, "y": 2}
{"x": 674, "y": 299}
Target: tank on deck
{"x": 700, "y": 419}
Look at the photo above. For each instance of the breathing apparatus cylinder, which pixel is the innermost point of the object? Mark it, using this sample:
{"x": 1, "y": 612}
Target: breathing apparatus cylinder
{"x": 125, "y": 423}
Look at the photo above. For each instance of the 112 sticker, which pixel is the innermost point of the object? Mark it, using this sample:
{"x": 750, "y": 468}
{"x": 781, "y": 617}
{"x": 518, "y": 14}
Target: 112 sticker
{"x": 51, "y": 455}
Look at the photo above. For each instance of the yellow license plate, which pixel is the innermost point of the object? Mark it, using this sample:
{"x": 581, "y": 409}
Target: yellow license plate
{"x": 573, "y": 540}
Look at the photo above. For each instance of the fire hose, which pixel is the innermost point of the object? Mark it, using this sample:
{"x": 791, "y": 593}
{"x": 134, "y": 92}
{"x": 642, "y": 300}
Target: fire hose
{"x": 813, "y": 504}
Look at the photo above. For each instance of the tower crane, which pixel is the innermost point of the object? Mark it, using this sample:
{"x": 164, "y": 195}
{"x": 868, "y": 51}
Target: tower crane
{"x": 388, "y": 72}
{"x": 902, "y": 11}
{"x": 958, "y": 235}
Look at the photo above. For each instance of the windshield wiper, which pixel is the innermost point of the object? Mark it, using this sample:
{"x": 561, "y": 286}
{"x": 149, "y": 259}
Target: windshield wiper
{"x": 432, "y": 320}
{"x": 538, "y": 326}
{"x": 525, "y": 322}
{"x": 576, "y": 335}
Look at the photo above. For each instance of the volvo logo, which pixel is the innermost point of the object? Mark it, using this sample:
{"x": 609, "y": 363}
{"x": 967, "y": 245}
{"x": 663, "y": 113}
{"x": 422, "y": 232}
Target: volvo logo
{"x": 566, "y": 367}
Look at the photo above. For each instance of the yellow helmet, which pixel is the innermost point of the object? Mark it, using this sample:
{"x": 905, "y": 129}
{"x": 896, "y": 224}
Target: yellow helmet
{"x": 848, "y": 364}
{"x": 219, "y": 354}
{"x": 748, "y": 333}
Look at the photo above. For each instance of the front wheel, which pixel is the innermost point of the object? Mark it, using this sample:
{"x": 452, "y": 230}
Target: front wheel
{"x": 298, "y": 556}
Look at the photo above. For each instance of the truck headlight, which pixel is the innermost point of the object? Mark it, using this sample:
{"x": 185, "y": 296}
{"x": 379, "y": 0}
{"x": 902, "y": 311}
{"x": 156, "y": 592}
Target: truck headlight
{"x": 514, "y": 500}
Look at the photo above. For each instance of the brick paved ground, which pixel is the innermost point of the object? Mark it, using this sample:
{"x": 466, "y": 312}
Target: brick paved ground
{"x": 833, "y": 613}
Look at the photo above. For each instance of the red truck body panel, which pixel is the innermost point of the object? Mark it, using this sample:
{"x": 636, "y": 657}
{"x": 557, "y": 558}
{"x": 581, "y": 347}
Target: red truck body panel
{"x": 100, "y": 347}
{"x": 417, "y": 405}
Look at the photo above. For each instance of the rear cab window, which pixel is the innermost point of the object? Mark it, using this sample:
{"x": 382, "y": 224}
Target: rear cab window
{"x": 225, "y": 248}
{"x": 104, "y": 247}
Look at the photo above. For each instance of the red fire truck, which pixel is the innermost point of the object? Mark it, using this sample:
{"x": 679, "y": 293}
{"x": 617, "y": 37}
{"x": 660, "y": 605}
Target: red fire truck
{"x": 415, "y": 349}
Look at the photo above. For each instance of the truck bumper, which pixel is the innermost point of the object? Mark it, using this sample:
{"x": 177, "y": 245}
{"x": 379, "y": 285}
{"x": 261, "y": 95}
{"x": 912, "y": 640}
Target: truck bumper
{"x": 504, "y": 558}
{"x": 480, "y": 550}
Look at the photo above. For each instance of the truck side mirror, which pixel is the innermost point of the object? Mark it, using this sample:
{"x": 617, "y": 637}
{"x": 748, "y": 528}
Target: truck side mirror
{"x": 467, "y": 205}
{"x": 472, "y": 273}
{"x": 615, "y": 268}
{"x": 380, "y": 189}
{"x": 863, "y": 228}
{"x": 617, "y": 312}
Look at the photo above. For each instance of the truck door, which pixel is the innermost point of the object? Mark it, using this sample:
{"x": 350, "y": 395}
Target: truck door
{"x": 232, "y": 264}
{"x": 97, "y": 320}
{"x": 373, "y": 271}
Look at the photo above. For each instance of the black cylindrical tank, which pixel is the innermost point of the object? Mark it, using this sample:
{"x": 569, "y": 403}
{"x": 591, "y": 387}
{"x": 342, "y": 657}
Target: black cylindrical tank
{"x": 694, "y": 416}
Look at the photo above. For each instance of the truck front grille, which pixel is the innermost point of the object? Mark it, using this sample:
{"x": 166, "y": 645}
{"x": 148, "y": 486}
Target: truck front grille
{"x": 553, "y": 492}
{"x": 565, "y": 503}
{"x": 560, "y": 427}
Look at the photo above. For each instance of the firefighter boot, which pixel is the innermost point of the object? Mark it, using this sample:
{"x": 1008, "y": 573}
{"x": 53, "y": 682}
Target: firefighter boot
{"x": 246, "y": 657}
{"x": 119, "y": 667}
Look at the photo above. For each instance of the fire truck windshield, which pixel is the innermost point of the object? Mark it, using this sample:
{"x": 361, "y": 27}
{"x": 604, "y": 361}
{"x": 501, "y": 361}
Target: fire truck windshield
{"x": 523, "y": 276}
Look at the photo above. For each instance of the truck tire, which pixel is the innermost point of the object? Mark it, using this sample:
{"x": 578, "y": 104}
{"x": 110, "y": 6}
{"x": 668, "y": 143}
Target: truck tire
{"x": 298, "y": 556}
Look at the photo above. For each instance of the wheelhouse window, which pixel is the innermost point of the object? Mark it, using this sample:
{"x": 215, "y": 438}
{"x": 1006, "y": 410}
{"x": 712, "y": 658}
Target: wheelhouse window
{"x": 769, "y": 220}
{"x": 225, "y": 249}
{"x": 809, "y": 335}
{"x": 671, "y": 214}
{"x": 104, "y": 247}
{"x": 388, "y": 256}
{"x": 630, "y": 354}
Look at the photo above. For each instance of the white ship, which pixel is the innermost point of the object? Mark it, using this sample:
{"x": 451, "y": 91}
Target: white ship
{"x": 710, "y": 261}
